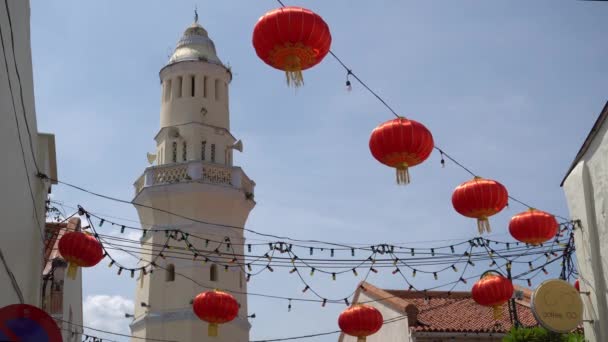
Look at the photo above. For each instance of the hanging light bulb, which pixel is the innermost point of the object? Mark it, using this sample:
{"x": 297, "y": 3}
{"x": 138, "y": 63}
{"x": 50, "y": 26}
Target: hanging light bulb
{"x": 414, "y": 273}
{"x": 312, "y": 271}
{"x": 306, "y": 289}
{"x": 435, "y": 275}
{"x": 454, "y": 268}
{"x": 396, "y": 270}
{"x": 293, "y": 270}
{"x": 333, "y": 276}
{"x": 355, "y": 272}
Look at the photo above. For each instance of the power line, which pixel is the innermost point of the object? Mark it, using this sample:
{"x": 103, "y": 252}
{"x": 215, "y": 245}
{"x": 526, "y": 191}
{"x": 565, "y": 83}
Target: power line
{"x": 350, "y": 72}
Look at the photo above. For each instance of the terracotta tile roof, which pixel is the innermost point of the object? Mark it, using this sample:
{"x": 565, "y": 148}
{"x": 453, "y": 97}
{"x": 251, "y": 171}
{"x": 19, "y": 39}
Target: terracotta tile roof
{"x": 450, "y": 312}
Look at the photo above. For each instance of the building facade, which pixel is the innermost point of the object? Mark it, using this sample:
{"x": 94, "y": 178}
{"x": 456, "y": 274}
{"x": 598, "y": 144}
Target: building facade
{"x": 193, "y": 177}
{"x": 586, "y": 189}
{"x": 26, "y": 152}
{"x": 438, "y": 316}
{"x": 61, "y": 295}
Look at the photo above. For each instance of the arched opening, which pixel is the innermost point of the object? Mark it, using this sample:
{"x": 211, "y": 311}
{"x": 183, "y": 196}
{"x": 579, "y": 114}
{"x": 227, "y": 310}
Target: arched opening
{"x": 213, "y": 273}
{"x": 180, "y": 82}
{"x": 217, "y": 90}
{"x": 203, "y": 148}
{"x": 184, "y": 151}
{"x": 192, "y": 82}
{"x": 167, "y": 90}
{"x": 174, "y": 155}
{"x": 213, "y": 153}
{"x": 170, "y": 273}
{"x": 205, "y": 86}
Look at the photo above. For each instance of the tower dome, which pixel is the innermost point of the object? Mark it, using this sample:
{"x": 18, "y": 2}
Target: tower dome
{"x": 195, "y": 45}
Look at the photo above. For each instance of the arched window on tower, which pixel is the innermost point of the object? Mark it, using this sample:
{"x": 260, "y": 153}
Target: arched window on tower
{"x": 213, "y": 273}
{"x": 174, "y": 154}
{"x": 217, "y": 90}
{"x": 170, "y": 273}
{"x": 203, "y": 149}
{"x": 167, "y": 90}
{"x": 213, "y": 153}
{"x": 180, "y": 83}
{"x": 193, "y": 89}
{"x": 184, "y": 151}
{"x": 205, "y": 86}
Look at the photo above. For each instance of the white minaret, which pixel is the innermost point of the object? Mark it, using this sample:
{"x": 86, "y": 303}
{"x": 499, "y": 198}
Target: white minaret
{"x": 195, "y": 178}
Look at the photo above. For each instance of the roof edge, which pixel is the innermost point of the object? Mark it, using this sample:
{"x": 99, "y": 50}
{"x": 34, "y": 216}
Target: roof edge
{"x": 590, "y": 137}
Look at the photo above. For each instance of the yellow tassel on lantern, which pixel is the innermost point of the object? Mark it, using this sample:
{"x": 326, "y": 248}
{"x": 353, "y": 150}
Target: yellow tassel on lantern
{"x": 497, "y": 312}
{"x": 212, "y": 330}
{"x": 483, "y": 224}
{"x": 361, "y": 339}
{"x": 403, "y": 174}
{"x": 72, "y": 270}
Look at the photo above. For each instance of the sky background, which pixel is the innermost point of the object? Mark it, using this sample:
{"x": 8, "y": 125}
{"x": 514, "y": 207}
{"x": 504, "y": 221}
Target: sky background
{"x": 509, "y": 88}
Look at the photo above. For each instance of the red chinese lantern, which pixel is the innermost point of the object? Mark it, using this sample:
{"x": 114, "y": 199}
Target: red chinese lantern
{"x": 577, "y": 285}
{"x": 291, "y": 39}
{"x": 360, "y": 321}
{"x": 493, "y": 290}
{"x": 215, "y": 307}
{"x": 480, "y": 198}
{"x": 80, "y": 250}
{"x": 533, "y": 226}
{"x": 401, "y": 143}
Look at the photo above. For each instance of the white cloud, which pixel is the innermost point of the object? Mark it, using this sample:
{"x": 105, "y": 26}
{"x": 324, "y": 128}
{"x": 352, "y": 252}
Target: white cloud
{"x": 107, "y": 313}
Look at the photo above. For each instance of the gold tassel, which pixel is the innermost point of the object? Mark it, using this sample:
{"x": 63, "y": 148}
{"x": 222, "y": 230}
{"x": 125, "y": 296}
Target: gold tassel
{"x": 212, "y": 330}
{"x": 72, "y": 270}
{"x": 497, "y": 312}
{"x": 294, "y": 78}
{"x": 361, "y": 339}
{"x": 403, "y": 175}
{"x": 483, "y": 224}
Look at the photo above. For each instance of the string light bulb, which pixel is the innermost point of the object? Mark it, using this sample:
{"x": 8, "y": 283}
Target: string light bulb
{"x": 306, "y": 289}
{"x": 454, "y": 268}
{"x": 312, "y": 271}
{"x": 122, "y": 229}
{"x": 333, "y": 276}
{"x": 435, "y": 275}
{"x": 355, "y": 272}
{"x": 293, "y": 270}
{"x": 396, "y": 270}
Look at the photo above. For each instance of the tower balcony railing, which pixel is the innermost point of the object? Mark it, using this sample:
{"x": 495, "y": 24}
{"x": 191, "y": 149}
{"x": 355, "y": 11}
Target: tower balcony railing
{"x": 196, "y": 171}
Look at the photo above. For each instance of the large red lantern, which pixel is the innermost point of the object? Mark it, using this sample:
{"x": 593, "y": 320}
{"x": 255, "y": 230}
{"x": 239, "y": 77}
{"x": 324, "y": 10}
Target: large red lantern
{"x": 493, "y": 290}
{"x": 480, "y": 198}
{"x": 80, "y": 250}
{"x": 215, "y": 307}
{"x": 360, "y": 320}
{"x": 291, "y": 39}
{"x": 533, "y": 226}
{"x": 401, "y": 143}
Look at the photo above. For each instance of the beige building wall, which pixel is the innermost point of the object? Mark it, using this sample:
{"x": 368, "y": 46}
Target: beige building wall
{"x": 22, "y": 210}
{"x": 586, "y": 189}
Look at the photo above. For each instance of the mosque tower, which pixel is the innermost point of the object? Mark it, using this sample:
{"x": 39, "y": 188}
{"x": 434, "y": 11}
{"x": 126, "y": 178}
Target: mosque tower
{"x": 193, "y": 176}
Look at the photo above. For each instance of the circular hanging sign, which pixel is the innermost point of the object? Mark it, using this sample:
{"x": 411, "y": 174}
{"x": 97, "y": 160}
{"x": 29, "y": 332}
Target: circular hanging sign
{"x": 557, "y": 306}
{"x": 27, "y": 323}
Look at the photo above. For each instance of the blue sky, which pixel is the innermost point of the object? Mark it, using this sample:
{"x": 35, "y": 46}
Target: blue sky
{"x": 508, "y": 88}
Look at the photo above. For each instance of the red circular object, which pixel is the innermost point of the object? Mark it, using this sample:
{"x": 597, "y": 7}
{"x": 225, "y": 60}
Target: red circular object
{"x": 492, "y": 290}
{"x": 577, "y": 285}
{"x": 27, "y": 323}
{"x": 533, "y": 227}
{"x": 215, "y": 307}
{"x": 401, "y": 143}
{"x": 291, "y": 39}
{"x": 360, "y": 321}
{"x": 80, "y": 249}
{"x": 480, "y": 198}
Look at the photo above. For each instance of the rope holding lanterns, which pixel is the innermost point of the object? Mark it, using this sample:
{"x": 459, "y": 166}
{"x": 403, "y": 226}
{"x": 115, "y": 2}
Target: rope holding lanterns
{"x": 401, "y": 143}
{"x": 533, "y": 227}
{"x": 480, "y": 198}
{"x": 291, "y": 39}
{"x": 494, "y": 290}
{"x": 215, "y": 307}
{"x": 80, "y": 250}
{"x": 360, "y": 321}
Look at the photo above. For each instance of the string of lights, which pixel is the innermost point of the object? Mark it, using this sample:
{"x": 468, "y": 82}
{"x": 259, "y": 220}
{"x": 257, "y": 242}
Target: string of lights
{"x": 351, "y": 73}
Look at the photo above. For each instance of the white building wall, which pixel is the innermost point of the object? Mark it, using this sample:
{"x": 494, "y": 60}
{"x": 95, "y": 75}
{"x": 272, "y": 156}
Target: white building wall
{"x": 22, "y": 211}
{"x": 586, "y": 189}
{"x": 391, "y": 332}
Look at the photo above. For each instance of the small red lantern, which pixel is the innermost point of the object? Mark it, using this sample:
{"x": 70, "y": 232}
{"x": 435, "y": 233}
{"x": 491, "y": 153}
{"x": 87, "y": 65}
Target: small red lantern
{"x": 360, "y": 320}
{"x": 480, "y": 198}
{"x": 533, "y": 226}
{"x": 401, "y": 143}
{"x": 577, "y": 285}
{"x": 291, "y": 39}
{"x": 492, "y": 290}
{"x": 215, "y": 307}
{"x": 79, "y": 250}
